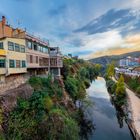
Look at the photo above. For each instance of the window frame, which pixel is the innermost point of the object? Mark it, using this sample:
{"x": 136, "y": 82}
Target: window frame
{"x": 23, "y": 63}
{"x": 13, "y": 65}
{"x": 17, "y": 46}
{"x": 1, "y": 45}
{"x": 18, "y": 64}
{"x": 35, "y": 46}
{"x": 29, "y": 45}
{"x": 9, "y": 46}
{"x": 22, "y": 48}
{"x": 4, "y": 65}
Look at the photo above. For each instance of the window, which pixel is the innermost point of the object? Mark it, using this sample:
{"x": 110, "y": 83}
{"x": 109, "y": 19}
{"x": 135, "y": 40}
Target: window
{"x": 46, "y": 50}
{"x": 29, "y": 44}
{"x": 2, "y": 63}
{"x": 37, "y": 59}
{"x": 1, "y": 45}
{"x": 22, "y": 49}
{"x": 17, "y": 48}
{"x": 23, "y": 63}
{"x": 41, "y": 48}
{"x": 11, "y": 63}
{"x": 10, "y": 46}
{"x": 31, "y": 59}
{"x": 35, "y": 47}
{"x": 17, "y": 63}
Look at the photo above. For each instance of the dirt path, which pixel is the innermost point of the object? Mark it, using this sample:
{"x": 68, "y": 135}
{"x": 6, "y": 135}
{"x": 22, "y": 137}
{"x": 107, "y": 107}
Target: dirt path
{"x": 134, "y": 103}
{"x": 135, "y": 109}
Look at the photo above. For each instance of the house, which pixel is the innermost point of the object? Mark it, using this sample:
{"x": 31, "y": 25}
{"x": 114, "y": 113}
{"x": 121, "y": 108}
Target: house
{"x": 129, "y": 62}
{"x": 12, "y": 56}
{"x": 23, "y": 53}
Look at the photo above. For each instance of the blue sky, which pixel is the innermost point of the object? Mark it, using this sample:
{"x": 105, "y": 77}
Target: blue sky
{"x": 81, "y": 27}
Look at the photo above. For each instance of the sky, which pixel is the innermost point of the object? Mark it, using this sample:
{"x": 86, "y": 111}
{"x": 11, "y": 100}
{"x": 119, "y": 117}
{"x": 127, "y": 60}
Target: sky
{"x": 87, "y": 28}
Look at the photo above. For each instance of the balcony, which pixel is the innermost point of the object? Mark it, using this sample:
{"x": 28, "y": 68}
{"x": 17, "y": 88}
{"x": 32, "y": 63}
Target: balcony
{"x": 56, "y": 62}
{"x": 37, "y": 39}
{"x": 54, "y": 52}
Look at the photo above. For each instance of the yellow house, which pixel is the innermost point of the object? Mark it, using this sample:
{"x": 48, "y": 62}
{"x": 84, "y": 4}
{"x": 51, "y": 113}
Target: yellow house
{"x": 12, "y": 56}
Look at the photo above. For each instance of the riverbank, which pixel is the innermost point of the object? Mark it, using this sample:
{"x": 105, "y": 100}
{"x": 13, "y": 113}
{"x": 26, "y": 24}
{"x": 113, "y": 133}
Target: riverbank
{"x": 134, "y": 108}
{"x": 134, "y": 112}
{"x": 109, "y": 122}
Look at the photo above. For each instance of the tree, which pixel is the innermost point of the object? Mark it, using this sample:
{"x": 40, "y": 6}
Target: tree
{"x": 120, "y": 86}
{"x": 120, "y": 92}
{"x": 110, "y": 69}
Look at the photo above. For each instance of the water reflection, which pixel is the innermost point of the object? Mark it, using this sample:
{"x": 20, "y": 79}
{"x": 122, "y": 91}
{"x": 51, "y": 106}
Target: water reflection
{"x": 110, "y": 124}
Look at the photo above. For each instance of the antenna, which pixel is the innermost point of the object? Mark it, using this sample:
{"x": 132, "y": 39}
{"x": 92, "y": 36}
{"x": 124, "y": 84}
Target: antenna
{"x": 18, "y": 23}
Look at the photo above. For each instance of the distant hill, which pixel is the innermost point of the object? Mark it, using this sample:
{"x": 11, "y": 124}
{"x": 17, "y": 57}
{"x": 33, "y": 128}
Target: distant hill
{"x": 108, "y": 59}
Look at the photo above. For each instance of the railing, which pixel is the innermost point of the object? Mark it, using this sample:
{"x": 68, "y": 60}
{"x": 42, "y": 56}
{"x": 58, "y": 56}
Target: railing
{"x": 131, "y": 73}
{"x": 42, "y": 41}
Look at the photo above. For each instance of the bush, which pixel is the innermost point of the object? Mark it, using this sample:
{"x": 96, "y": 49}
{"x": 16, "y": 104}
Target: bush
{"x": 111, "y": 86}
{"x": 35, "y": 82}
{"x": 70, "y": 85}
{"x": 138, "y": 90}
{"x": 61, "y": 126}
{"x": 87, "y": 83}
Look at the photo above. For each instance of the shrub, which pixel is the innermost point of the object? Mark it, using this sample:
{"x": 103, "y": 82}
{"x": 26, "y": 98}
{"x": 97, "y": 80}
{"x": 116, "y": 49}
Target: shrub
{"x": 111, "y": 86}
{"x": 70, "y": 85}
{"x": 138, "y": 90}
{"x": 35, "y": 82}
{"x": 87, "y": 83}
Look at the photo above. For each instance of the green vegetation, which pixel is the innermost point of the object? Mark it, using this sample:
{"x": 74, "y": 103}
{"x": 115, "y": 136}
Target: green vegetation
{"x": 133, "y": 83}
{"x": 117, "y": 90}
{"x": 120, "y": 91}
{"x": 111, "y": 85}
{"x": 110, "y": 70}
{"x": 50, "y": 114}
{"x": 78, "y": 74}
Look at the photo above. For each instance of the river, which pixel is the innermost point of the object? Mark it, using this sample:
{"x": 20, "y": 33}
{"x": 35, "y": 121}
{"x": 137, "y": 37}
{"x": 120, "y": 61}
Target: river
{"x": 108, "y": 123}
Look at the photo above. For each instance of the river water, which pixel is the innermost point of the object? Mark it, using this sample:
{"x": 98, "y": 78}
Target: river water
{"x": 108, "y": 123}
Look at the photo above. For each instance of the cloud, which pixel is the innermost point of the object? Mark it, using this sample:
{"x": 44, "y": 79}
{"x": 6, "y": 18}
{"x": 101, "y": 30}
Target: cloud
{"x": 88, "y": 44}
{"x": 129, "y": 44}
{"x": 106, "y": 22}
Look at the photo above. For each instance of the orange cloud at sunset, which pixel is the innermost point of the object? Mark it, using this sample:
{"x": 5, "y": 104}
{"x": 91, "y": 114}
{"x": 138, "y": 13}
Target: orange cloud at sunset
{"x": 130, "y": 44}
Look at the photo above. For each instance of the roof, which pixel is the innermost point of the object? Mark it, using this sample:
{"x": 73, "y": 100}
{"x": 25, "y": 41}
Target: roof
{"x": 3, "y": 38}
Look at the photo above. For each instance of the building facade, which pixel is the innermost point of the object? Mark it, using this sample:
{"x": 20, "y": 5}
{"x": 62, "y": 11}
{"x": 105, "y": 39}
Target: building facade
{"x": 129, "y": 62}
{"x": 21, "y": 52}
{"x": 12, "y": 56}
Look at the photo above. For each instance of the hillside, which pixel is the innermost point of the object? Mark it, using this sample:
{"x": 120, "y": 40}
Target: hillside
{"x": 108, "y": 59}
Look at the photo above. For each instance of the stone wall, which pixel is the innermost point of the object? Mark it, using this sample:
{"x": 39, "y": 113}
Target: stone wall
{"x": 12, "y": 82}
{"x": 9, "y": 98}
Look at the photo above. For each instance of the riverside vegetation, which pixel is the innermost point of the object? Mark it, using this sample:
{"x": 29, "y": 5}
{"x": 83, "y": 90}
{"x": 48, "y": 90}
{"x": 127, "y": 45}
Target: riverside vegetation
{"x": 117, "y": 93}
{"x": 51, "y": 112}
{"x": 117, "y": 90}
{"x": 133, "y": 83}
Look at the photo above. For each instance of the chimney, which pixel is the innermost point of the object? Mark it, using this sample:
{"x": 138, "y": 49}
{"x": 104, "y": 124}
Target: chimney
{"x": 3, "y": 20}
